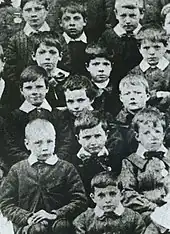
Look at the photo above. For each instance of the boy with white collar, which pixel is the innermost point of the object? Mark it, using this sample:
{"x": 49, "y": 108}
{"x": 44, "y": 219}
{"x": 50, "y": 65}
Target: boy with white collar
{"x": 72, "y": 19}
{"x": 18, "y": 53}
{"x": 121, "y": 39}
{"x": 109, "y": 215}
{"x": 52, "y": 189}
{"x": 34, "y": 87}
{"x": 145, "y": 174}
{"x": 154, "y": 66}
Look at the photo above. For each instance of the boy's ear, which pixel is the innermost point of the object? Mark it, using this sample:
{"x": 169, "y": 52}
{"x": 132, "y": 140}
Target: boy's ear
{"x": 26, "y": 143}
{"x": 33, "y": 56}
{"x": 120, "y": 97}
{"x": 85, "y": 22}
{"x": 21, "y": 91}
{"x": 148, "y": 96}
{"x": 137, "y": 136}
{"x": 92, "y": 197}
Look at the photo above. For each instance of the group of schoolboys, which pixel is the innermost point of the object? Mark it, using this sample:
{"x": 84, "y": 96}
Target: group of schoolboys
{"x": 72, "y": 159}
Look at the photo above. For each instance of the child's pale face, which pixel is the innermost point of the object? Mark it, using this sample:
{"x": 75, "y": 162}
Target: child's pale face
{"x": 151, "y": 136}
{"x": 1, "y": 66}
{"x": 152, "y": 52}
{"x": 107, "y": 199}
{"x": 34, "y": 91}
{"x": 77, "y": 101}
{"x": 128, "y": 18}
{"x": 167, "y": 24}
{"x": 100, "y": 69}
{"x": 167, "y": 53}
{"x": 47, "y": 57}
{"x": 134, "y": 97}
{"x": 41, "y": 143}
{"x": 93, "y": 139}
{"x": 34, "y": 14}
{"x": 73, "y": 24}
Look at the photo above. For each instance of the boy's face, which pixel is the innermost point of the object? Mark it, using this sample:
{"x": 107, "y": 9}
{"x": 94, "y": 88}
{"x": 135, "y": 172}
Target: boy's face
{"x": 134, "y": 97}
{"x": 107, "y": 199}
{"x": 167, "y": 24}
{"x": 100, "y": 69}
{"x": 77, "y": 101}
{"x": 167, "y": 53}
{"x": 152, "y": 52}
{"x": 73, "y": 24}
{"x": 41, "y": 143}
{"x": 47, "y": 57}
{"x": 93, "y": 139}
{"x": 34, "y": 14}
{"x": 1, "y": 66}
{"x": 34, "y": 91}
{"x": 128, "y": 18}
{"x": 150, "y": 136}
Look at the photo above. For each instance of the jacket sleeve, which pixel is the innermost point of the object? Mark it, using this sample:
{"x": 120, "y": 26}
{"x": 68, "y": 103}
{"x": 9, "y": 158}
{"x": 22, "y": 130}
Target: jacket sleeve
{"x": 77, "y": 201}
{"x": 9, "y": 199}
{"x": 131, "y": 197}
{"x": 139, "y": 224}
{"x": 79, "y": 224}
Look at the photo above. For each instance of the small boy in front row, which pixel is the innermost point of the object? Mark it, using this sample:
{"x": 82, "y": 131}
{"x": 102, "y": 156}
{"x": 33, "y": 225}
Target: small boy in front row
{"x": 109, "y": 215}
{"x": 145, "y": 174}
{"x": 94, "y": 156}
{"x": 43, "y": 193}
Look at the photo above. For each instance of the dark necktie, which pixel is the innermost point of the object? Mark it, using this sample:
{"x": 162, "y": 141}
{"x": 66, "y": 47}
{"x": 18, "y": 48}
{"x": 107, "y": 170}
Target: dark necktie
{"x": 154, "y": 154}
{"x": 106, "y": 215}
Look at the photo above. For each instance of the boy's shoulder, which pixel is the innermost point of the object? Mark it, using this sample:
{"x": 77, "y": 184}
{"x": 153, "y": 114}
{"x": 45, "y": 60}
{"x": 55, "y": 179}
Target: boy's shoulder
{"x": 124, "y": 118}
{"x": 18, "y": 35}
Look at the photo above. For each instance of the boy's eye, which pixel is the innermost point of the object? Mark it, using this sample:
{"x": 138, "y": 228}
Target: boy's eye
{"x": 137, "y": 92}
{"x": 157, "y": 47}
{"x": 53, "y": 52}
{"x": 147, "y": 132}
{"x": 38, "y": 8}
{"x": 168, "y": 51}
{"x": 28, "y": 87}
{"x": 101, "y": 195}
{"x": 146, "y": 47}
{"x": 96, "y": 64}
{"x": 106, "y": 64}
{"x": 87, "y": 137}
{"x": 49, "y": 141}
{"x": 123, "y": 15}
{"x": 97, "y": 135}
{"x": 112, "y": 194}
{"x": 39, "y": 86}
{"x": 67, "y": 18}
{"x": 70, "y": 101}
{"x": 37, "y": 142}
{"x": 28, "y": 9}
{"x": 157, "y": 131}
{"x": 42, "y": 51}
{"x": 132, "y": 15}
{"x": 77, "y": 18}
{"x": 80, "y": 100}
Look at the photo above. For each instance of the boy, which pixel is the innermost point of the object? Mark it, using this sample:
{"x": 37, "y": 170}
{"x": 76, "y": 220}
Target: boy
{"x": 145, "y": 173}
{"x": 134, "y": 95}
{"x": 99, "y": 65}
{"x": 48, "y": 54}
{"x": 33, "y": 87}
{"x": 166, "y": 18}
{"x": 18, "y": 53}
{"x": 121, "y": 39}
{"x": 73, "y": 21}
{"x": 52, "y": 189}
{"x": 108, "y": 216}
{"x": 155, "y": 68}
{"x": 2, "y": 63}
{"x": 92, "y": 132}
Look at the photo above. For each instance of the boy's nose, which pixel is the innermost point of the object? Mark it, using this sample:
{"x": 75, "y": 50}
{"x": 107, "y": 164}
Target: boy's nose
{"x": 128, "y": 20}
{"x": 151, "y": 51}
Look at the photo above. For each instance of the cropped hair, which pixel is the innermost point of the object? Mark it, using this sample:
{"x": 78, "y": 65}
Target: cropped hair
{"x": 33, "y": 73}
{"x": 73, "y": 8}
{"x": 2, "y": 53}
{"x": 152, "y": 32}
{"x": 49, "y": 39}
{"x": 165, "y": 10}
{"x": 39, "y": 124}
{"x": 134, "y": 79}
{"x": 147, "y": 116}
{"x": 77, "y": 82}
{"x": 41, "y": 2}
{"x": 94, "y": 50}
{"x": 129, "y": 4}
{"x": 90, "y": 119}
{"x": 104, "y": 179}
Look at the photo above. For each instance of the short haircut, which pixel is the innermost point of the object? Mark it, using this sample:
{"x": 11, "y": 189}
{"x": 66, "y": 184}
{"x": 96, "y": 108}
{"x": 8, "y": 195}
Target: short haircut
{"x": 130, "y": 4}
{"x": 147, "y": 116}
{"x": 72, "y": 7}
{"x": 152, "y": 32}
{"x": 49, "y": 39}
{"x": 41, "y": 2}
{"x": 94, "y": 50}
{"x": 38, "y": 125}
{"x": 76, "y": 82}
{"x": 165, "y": 10}
{"x": 134, "y": 79}
{"x": 1, "y": 53}
{"x": 104, "y": 179}
{"x": 33, "y": 73}
{"x": 90, "y": 119}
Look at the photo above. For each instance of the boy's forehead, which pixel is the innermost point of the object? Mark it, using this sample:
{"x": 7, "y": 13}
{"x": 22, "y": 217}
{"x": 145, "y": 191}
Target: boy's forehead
{"x": 131, "y": 4}
{"x": 44, "y": 46}
{"x": 109, "y": 188}
{"x": 91, "y": 131}
{"x": 33, "y": 3}
{"x": 37, "y": 133}
{"x": 150, "y": 42}
{"x": 132, "y": 87}
{"x": 150, "y": 124}
{"x": 99, "y": 59}
{"x": 74, "y": 94}
{"x": 70, "y": 13}
{"x": 39, "y": 81}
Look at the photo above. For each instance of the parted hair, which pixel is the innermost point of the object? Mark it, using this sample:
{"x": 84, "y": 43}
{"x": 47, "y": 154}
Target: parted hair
{"x": 104, "y": 179}
{"x": 147, "y": 116}
{"x": 41, "y": 2}
{"x": 90, "y": 119}
{"x": 33, "y": 73}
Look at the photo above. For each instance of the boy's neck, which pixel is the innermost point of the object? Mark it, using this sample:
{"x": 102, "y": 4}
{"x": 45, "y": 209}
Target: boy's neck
{"x": 68, "y": 38}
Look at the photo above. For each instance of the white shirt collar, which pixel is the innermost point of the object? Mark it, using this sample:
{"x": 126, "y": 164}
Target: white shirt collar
{"x": 52, "y": 160}
{"x": 28, "y": 107}
{"x": 102, "y": 85}
{"x": 58, "y": 70}
{"x": 82, "y": 38}
{"x": 118, "y": 211}
{"x": 163, "y": 63}
{"x": 120, "y": 31}
{"x": 141, "y": 150}
{"x": 28, "y": 29}
{"x": 84, "y": 152}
